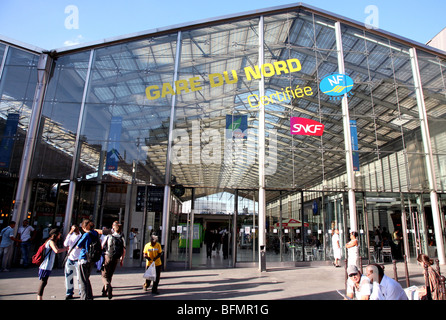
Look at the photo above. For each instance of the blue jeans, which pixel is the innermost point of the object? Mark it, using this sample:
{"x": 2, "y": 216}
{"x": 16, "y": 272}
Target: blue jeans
{"x": 24, "y": 246}
{"x": 71, "y": 269}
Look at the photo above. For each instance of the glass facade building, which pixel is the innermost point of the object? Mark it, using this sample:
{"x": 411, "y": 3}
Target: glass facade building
{"x": 271, "y": 128}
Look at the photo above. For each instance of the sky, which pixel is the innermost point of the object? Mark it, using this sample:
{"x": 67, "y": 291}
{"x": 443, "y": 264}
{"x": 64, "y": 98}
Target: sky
{"x": 53, "y": 24}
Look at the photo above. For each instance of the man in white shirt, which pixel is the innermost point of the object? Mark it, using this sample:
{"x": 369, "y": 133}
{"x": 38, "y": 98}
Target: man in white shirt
{"x": 384, "y": 288}
{"x": 336, "y": 248}
{"x": 71, "y": 266}
{"x": 26, "y": 234}
{"x": 358, "y": 285}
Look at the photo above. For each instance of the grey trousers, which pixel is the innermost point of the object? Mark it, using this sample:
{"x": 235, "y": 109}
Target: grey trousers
{"x": 84, "y": 280}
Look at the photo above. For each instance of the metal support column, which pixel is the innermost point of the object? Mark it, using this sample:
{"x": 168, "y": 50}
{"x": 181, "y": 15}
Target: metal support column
{"x": 234, "y": 230}
{"x": 302, "y": 227}
{"x": 76, "y": 154}
{"x": 43, "y": 72}
{"x": 347, "y": 136}
{"x": 280, "y": 225}
{"x": 428, "y": 155}
{"x": 261, "y": 151}
{"x": 167, "y": 177}
{"x": 404, "y": 226}
{"x": 190, "y": 231}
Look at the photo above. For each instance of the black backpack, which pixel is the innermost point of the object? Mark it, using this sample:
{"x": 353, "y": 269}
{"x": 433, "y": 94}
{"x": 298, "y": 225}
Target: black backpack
{"x": 94, "y": 251}
{"x": 115, "y": 246}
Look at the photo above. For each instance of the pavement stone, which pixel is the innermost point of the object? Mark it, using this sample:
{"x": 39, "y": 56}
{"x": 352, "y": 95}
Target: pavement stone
{"x": 311, "y": 282}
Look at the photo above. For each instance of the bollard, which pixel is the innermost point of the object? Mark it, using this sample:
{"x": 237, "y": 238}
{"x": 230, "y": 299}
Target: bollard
{"x": 406, "y": 271}
{"x": 262, "y": 259}
{"x": 360, "y": 265}
{"x": 395, "y": 273}
{"x": 442, "y": 288}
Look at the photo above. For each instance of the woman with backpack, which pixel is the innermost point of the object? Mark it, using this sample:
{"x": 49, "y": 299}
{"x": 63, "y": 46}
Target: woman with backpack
{"x": 46, "y": 266}
{"x": 114, "y": 248}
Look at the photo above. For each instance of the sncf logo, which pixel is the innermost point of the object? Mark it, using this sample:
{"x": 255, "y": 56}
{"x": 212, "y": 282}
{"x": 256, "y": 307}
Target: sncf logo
{"x": 307, "y": 127}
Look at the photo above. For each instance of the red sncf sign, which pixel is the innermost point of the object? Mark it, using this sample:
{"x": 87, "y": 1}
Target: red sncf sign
{"x": 306, "y": 127}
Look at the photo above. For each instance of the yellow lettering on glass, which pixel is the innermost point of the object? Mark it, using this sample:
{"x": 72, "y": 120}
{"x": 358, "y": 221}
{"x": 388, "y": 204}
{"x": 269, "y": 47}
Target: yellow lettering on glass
{"x": 286, "y": 94}
{"x": 154, "y": 92}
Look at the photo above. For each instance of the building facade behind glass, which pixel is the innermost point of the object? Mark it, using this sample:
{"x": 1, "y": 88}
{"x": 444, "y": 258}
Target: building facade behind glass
{"x": 289, "y": 120}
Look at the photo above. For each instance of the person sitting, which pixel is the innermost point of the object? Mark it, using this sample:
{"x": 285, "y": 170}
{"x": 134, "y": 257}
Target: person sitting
{"x": 434, "y": 291}
{"x": 358, "y": 285}
{"x": 383, "y": 287}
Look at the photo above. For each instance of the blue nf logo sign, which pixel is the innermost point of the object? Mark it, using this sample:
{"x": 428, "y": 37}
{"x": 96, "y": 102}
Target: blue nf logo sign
{"x": 336, "y": 85}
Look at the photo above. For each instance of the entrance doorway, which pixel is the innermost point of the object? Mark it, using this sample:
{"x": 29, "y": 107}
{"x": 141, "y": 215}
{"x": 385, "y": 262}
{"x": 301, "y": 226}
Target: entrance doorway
{"x": 202, "y": 241}
{"x": 223, "y": 221}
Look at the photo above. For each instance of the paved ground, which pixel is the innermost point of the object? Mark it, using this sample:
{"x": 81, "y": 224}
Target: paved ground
{"x": 317, "y": 282}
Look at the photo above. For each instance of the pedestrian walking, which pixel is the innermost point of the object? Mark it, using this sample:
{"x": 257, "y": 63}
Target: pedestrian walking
{"x": 100, "y": 262}
{"x": 72, "y": 261}
{"x": 46, "y": 266}
{"x": 225, "y": 239}
{"x": 217, "y": 240}
{"x": 114, "y": 249}
{"x": 8, "y": 239}
{"x": 209, "y": 241}
{"x": 132, "y": 237}
{"x": 336, "y": 248}
{"x": 152, "y": 253}
{"x": 86, "y": 242}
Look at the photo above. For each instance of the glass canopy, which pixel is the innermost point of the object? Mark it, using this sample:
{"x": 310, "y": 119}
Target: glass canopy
{"x": 134, "y": 82}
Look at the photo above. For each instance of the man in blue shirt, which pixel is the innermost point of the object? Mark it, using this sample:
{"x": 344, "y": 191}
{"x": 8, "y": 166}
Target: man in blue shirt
{"x": 8, "y": 239}
{"x": 84, "y": 264}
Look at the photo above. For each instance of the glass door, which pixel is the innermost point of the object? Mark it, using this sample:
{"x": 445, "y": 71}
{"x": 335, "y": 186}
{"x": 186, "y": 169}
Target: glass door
{"x": 247, "y": 226}
{"x": 415, "y": 226}
{"x": 336, "y": 220}
{"x": 425, "y": 224}
{"x": 201, "y": 233}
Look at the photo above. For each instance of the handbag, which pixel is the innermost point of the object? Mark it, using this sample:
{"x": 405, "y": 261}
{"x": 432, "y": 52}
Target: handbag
{"x": 150, "y": 273}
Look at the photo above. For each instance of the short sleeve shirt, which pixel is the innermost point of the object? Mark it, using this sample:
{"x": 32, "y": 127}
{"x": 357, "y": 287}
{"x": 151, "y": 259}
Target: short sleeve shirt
{"x": 70, "y": 241}
{"x": 152, "y": 252}
{"x": 84, "y": 243}
{"x": 7, "y": 233}
{"x": 365, "y": 288}
{"x": 25, "y": 232}
{"x": 335, "y": 240}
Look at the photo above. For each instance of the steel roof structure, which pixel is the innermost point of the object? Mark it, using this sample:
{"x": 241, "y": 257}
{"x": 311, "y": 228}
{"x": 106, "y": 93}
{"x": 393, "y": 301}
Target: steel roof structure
{"x": 382, "y": 102}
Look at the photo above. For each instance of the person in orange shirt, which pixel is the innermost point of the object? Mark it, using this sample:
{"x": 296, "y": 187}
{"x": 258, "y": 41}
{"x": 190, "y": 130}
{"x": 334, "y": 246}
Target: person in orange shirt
{"x": 152, "y": 253}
